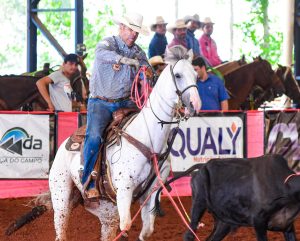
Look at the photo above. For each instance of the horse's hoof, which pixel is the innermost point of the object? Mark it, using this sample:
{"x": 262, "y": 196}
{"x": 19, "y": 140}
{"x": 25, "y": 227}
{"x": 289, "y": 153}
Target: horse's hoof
{"x": 124, "y": 237}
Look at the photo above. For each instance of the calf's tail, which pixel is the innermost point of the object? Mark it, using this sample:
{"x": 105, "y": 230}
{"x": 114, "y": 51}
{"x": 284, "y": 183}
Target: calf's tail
{"x": 157, "y": 209}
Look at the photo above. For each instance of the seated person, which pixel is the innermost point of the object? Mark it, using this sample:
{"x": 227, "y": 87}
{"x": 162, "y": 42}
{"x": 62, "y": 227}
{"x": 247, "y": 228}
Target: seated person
{"x": 157, "y": 63}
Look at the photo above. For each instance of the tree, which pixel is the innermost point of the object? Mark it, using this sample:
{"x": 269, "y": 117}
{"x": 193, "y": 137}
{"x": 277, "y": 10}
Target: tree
{"x": 257, "y": 33}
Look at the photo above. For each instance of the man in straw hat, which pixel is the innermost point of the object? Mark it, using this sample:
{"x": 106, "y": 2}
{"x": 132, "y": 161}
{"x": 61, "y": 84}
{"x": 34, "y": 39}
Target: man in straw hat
{"x": 157, "y": 63}
{"x": 117, "y": 59}
{"x": 159, "y": 42}
{"x": 178, "y": 29}
{"x": 207, "y": 44}
{"x": 193, "y": 23}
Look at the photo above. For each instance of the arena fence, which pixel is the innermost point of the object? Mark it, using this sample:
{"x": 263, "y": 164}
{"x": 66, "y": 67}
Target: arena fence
{"x": 29, "y": 141}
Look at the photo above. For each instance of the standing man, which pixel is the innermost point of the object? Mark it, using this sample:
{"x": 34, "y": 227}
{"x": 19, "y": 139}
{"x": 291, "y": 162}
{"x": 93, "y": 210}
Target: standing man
{"x": 211, "y": 88}
{"x": 56, "y": 88}
{"x": 193, "y": 23}
{"x": 117, "y": 60}
{"x": 179, "y": 31}
{"x": 159, "y": 41}
{"x": 208, "y": 45}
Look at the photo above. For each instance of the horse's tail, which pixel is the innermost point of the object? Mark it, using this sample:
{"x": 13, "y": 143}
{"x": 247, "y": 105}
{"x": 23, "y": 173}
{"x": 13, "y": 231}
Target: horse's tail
{"x": 41, "y": 204}
{"x": 157, "y": 209}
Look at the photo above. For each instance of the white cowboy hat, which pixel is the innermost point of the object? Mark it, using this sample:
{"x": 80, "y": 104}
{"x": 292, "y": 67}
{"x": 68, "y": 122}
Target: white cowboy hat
{"x": 133, "y": 21}
{"x": 178, "y": 24}
{"x": 158, "y": 20}
{"x": 155, "y": 60}
{"x": 194, "y": 18}
{"x": 207, "y": 20}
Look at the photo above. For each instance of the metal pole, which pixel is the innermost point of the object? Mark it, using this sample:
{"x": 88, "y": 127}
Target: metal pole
{"x": 31, "y": 37}
{"x": 288, "y": 38}
{"x": 297, "y": 39}
{"x": 79, "y": 26}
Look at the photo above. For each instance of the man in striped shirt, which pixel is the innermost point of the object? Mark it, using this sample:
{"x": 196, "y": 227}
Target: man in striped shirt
{"x": 116, "y": 63}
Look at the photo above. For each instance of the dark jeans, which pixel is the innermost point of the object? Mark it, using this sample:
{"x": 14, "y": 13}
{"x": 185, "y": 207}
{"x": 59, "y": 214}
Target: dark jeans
{"x": 99, "y": 115}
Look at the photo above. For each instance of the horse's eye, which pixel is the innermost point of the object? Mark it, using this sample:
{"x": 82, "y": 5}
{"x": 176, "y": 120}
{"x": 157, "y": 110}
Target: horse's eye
{"x": 177, "y": 76}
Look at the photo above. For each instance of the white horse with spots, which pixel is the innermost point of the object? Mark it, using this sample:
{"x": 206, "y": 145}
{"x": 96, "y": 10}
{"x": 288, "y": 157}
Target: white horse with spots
{"x": 129, "y": 167}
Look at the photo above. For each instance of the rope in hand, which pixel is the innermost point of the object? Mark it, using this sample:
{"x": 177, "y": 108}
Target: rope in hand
{"x": 140, "y": 89}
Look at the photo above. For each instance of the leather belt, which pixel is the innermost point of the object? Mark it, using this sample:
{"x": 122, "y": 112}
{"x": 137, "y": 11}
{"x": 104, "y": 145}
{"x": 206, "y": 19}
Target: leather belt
{"x": 111, "y": 100}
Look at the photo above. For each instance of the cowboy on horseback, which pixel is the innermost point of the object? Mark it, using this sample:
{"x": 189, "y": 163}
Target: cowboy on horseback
{"x": 116, "y": 64}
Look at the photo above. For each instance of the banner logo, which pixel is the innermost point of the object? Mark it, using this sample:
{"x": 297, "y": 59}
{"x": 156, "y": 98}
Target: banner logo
{"x": 16, "y": 139}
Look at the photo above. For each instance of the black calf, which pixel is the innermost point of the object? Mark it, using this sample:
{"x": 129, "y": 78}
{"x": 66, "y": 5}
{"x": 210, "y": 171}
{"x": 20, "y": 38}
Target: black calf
{"x": 245, "y": 192}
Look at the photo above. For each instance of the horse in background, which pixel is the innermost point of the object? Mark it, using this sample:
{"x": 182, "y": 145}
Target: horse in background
{"x": 255, "y": 75}
{"x": 19, "y": 92}
{"x": 228, "y": 67}
{"x": 291, "y": 85}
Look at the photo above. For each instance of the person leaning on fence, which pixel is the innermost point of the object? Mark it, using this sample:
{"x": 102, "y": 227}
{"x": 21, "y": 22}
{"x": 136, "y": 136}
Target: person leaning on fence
{"x": 56, "y": 88}
{"x": 211, "y": 88}
{"x": 207, "y": 45}
{"x": 116, "y": 63}
{"x": 159, "y": 41}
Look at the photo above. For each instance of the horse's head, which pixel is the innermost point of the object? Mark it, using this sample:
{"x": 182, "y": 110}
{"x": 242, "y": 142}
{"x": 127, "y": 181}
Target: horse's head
{"x": 292, "y": 88}
{"x": 184, "y": 78}
{"x": 268, "y": 79}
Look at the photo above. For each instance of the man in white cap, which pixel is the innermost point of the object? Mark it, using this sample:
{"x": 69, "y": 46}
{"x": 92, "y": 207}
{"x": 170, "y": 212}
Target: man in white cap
{"x": 193, "y": 23}
{"x": 159, "y": 41}
{"x": 207, "y": 45}
{"x": 117, "y": 60}
{"x": 178, "y": 29}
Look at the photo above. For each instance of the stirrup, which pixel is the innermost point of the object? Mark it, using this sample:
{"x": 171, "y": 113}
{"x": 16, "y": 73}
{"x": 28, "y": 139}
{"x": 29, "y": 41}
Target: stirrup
{"x": 92, "y": 194}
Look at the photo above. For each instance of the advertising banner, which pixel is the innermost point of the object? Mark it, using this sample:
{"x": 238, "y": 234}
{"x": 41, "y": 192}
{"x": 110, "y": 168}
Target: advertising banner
{"x": 205, "y": 137}
{"x": 24, "y": 146}
{"x": 283, "y": 135}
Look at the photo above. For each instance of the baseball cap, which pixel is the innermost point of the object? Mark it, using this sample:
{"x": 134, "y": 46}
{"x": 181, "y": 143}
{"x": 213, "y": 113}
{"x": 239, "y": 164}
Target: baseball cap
{"x": 71, "y": 58}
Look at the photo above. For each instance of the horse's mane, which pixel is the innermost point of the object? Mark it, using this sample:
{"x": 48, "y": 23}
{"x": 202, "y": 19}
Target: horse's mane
{"x": 176, "y": 53}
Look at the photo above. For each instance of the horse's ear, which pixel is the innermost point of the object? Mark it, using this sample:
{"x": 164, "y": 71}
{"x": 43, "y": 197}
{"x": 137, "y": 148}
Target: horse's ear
{"x": 190, "y": 55}
{"x": 259, "y": 57}
{"x": 84, "y": 56}
{"x": 279, "y": 66}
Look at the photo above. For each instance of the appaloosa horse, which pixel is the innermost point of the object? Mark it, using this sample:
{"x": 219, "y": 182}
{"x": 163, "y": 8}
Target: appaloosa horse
{"x": 129, "y": 167}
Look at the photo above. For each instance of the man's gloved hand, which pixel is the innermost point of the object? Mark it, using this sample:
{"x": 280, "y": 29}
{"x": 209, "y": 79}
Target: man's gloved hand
{"x": 132, "y": 62}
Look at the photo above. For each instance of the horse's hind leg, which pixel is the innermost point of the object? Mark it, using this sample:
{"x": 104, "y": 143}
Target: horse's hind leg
{"x": 107, "y": 213}
{"x": 60, "y": 184}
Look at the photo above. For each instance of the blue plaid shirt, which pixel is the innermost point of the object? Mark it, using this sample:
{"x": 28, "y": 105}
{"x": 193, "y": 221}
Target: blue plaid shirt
{"x": 111, "y": 79}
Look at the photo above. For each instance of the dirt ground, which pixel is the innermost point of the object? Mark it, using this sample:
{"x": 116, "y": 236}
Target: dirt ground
{"x": 85, "y": 227}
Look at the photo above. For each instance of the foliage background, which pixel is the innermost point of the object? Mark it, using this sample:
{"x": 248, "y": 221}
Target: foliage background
{"x": 256, "y": 29}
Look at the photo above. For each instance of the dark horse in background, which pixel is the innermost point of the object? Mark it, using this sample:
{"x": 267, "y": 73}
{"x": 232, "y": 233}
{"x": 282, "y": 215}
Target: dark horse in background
{"x": 290, "y": 83}
{"x": 19, "y": 92}
{"x": 242, "y": 81}
{"x": 250, "y": 85}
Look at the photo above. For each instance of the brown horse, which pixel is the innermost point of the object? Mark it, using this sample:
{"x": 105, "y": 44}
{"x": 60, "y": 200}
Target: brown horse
{"x": 242, "y": 81}
{"x": 228, "y": 67}
{"x": 291, "y": 85}
{"x": 19, "y": 92}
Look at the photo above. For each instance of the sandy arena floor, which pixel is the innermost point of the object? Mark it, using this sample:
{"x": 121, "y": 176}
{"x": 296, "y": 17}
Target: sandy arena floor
{"x": 85, "y": 227}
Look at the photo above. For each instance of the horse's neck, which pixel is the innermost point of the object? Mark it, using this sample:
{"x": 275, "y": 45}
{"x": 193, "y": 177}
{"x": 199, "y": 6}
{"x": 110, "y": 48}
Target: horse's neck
{"x": 146, "y": 126}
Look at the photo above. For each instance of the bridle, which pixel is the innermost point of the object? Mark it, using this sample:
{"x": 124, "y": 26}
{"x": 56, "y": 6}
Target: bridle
{"x": 178, "y": 116}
